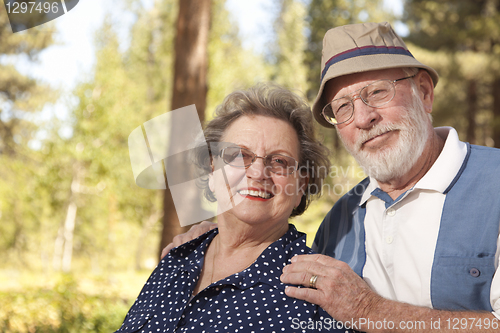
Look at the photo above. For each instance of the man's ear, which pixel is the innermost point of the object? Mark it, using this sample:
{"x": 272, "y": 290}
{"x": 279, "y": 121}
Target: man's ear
{"x": 425, "y": 87}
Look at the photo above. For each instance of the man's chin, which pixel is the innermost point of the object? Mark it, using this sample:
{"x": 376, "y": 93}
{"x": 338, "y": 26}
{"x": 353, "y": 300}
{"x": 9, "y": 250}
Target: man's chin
{"x": 382, "y": 169}
{"x": 382, "y": 164}
{"x": 382, "y": 177}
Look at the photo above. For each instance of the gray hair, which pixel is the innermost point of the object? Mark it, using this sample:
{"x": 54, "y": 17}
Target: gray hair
{"x": 270, "y": 100}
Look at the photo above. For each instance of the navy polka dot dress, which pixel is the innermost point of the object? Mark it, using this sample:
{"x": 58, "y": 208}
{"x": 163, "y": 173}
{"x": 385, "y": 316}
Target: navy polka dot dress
{"x": 252, "y": 300}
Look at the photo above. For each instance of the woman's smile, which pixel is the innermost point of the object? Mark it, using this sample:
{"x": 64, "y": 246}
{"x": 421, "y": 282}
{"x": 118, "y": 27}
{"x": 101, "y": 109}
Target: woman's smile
{"x": 255, "y": 194}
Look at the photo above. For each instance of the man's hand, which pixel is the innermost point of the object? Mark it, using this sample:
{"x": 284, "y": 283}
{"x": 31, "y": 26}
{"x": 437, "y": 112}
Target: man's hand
{"x": 348, "y": 299}
{"x": 195, "y": 231}
{"x": 339, "y": 290}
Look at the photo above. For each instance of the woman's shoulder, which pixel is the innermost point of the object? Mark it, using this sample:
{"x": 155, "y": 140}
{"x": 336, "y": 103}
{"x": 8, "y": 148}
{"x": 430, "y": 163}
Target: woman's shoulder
{"x": 271, "y": 261}
{"x": 186, "y": 257}
{"x": 194, "y": 246}
{"x": 294, "y": 242}
{"x": 279, "y": 253}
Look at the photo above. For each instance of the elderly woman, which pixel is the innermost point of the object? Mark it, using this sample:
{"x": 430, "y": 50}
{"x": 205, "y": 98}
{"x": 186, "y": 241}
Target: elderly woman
{"x": 227, "y": 280}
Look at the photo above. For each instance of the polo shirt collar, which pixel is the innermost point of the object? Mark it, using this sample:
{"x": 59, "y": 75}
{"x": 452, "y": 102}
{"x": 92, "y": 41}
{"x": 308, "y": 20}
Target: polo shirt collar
{"x": 447, "y": 165}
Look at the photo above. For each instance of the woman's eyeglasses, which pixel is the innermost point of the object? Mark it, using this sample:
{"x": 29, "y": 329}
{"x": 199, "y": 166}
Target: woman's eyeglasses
{"x": 243, "y": 158}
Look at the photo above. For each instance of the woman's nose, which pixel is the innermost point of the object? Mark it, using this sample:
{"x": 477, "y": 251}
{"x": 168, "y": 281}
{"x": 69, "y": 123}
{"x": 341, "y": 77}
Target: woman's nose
{"x": 258, "y": 170}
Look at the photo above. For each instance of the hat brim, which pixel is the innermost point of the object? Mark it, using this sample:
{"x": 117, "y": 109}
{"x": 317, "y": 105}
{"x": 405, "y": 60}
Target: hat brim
{"x": 361, "y": 64}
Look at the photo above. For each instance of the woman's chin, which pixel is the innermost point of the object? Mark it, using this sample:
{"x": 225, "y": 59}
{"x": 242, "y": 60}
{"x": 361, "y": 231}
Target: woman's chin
{"x": 251, "y": 216}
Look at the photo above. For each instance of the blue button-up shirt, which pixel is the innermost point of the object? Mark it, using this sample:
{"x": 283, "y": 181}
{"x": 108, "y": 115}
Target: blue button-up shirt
{"x": 252, "y": 300}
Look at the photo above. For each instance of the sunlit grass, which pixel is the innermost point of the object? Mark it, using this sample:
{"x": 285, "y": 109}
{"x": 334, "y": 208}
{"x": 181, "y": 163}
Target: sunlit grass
{"x": 77, "y": 302}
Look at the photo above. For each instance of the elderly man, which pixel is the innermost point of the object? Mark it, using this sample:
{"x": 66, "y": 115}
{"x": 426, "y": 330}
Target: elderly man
{"x": 421, "y": 233}
{"x": 415, "y": 246}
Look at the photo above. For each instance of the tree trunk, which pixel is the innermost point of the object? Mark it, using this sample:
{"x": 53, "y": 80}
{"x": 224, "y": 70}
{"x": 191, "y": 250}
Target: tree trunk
{"x": 471, "y": 111}
{"x": 190, "y": 85}
{"x": 69, "y": 228}
{"x": 496, "y": 112}
{"x": 63, "y": 246}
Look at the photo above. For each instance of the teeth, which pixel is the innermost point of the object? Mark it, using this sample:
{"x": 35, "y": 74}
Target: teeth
{"x": 260, "y": 194}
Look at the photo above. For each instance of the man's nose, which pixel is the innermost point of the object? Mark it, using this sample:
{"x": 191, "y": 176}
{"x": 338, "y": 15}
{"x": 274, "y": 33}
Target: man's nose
{"x": 365, "y": 116}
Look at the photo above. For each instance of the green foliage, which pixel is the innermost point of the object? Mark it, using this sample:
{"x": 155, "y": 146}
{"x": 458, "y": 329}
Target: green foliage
{"x": 230, "y": 66}
{"x": 122, "y": 95}
{"x": 29, "y": 44}
{"x": 325, "y": 15}
{"x": 20, "y": 95}
{"x": 290, "y": 70}
{"x": 61, "y": 309}
{"x": 465, "y": 38}
{"x": 453, "y": 25}
{"x": 20, "y": 98}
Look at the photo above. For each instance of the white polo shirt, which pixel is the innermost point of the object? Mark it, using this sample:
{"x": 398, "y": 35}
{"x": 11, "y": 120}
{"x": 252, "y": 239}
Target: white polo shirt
{"x": 401, "y": 235}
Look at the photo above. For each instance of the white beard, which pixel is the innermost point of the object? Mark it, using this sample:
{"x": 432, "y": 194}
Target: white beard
{"x": 394, "y": 162}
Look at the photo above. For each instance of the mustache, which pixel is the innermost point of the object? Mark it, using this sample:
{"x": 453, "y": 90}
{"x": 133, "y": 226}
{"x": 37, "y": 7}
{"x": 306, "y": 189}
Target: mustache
{"x": 374, "y": 132}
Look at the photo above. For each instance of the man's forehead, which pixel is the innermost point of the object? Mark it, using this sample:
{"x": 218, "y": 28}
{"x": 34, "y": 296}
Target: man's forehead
{"x": 352, "y": 82}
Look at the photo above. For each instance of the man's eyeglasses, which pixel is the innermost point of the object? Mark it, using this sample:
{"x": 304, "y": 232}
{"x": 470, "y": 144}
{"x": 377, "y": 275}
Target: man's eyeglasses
{"x": 243, "y": 158}
{"x": 375, "y": 95}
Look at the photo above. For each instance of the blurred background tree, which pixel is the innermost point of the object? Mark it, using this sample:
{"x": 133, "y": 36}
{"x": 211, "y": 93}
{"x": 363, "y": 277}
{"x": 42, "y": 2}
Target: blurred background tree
{"x": 289, "y": 68}
{"x": 78, "y": 237}
{"x": 464, "y": 38}
{"x": 20, "y": 97}
{"x": 190, "y": 87}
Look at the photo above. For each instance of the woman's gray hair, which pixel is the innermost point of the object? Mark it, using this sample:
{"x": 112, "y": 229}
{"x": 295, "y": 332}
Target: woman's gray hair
{"x": 270, "y": 100}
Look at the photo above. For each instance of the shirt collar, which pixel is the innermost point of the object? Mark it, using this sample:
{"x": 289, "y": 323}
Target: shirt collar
{"x": 444, "y": 169}
{"x": 191, "y": 255}
{"x": 372, "y": 186}
{"x": 265, "y": 269}
{"x": 268, "y": 266}
{"x": 447, "y": 165}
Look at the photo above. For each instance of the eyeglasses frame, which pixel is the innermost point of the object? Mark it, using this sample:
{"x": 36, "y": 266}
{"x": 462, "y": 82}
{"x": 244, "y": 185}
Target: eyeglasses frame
{"x": 358, "y": 96}
{"x": 255, "y": 157}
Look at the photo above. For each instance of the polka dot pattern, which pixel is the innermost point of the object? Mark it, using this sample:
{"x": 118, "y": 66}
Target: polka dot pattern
{"x": 252, "y": 300}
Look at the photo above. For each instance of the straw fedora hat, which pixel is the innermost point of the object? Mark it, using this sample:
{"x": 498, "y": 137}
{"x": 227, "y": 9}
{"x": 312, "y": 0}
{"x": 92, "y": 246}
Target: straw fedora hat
{"x": 359, "y": 48}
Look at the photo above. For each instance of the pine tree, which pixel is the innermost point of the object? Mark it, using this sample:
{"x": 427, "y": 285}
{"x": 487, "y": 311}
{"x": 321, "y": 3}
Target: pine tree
{"x": 21, "y": 97}
{"x": 467, "y": 35}
{"x": 290, "y": 69}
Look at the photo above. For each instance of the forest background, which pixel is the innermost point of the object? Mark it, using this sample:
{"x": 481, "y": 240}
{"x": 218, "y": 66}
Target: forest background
{"x": 78, "y": 237}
